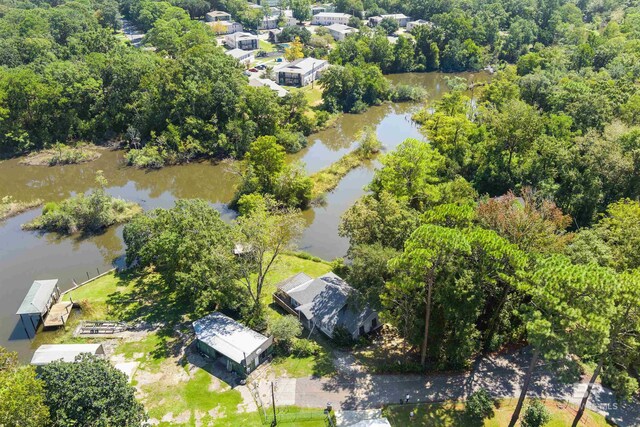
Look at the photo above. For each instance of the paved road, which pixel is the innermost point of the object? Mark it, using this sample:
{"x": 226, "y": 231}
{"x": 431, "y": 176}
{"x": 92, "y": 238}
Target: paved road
{"x": 500, "y": 375}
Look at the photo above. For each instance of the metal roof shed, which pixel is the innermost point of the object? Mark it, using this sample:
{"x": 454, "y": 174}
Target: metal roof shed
{"x": 48, "y": 353}
{"x": 40, "y": 297}
{"x": 242, "y": 346}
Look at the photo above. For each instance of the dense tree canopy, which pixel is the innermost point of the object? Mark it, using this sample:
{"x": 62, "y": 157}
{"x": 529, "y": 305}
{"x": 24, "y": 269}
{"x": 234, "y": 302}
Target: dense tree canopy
{"x": 90, "y": 392}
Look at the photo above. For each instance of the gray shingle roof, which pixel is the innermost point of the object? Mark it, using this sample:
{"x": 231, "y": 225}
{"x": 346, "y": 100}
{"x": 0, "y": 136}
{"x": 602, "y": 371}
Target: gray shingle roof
{"x": 327, "y": 300}
{"x": 293, "y": 282}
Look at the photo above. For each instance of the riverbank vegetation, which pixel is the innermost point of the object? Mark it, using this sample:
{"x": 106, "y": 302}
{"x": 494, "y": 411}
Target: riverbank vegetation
{"x": 327, "y": 179}
{"x": 265, "y": 173}
{"x": 62, "y": 154}
{"x": 10, "y": 207}
{"x": 84, "y": 214}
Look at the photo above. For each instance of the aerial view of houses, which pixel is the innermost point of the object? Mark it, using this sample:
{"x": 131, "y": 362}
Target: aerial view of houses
{"x": 291, "y": 213}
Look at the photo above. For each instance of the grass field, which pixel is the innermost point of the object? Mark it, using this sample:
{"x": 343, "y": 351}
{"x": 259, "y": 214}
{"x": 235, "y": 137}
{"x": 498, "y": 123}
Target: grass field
{"x": 452, "y": 414}
{"x": 174, "y": 392}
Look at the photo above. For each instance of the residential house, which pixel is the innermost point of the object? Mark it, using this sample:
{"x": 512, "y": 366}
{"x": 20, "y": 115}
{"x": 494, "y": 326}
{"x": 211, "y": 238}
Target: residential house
{"x": 412, "y": 24}
{"x": 326, "y": 303}
{"x": 269, "y": 22}
{"x": 243, "y": 56}
{"x": 274, "y": 35}
{"x": 240, "y": 348}
{"x": 217, "y": 16}
{"x": 400, "y": 18}
{"x": 318, "y": 9}
{"x": 300, "y": 72}
{"x": 225, "y": 27}
{"x": 258, "y": 82}
{"x": 240, "y": 40}
{"x": 341, "y": 31}
{"x": 289, "y": 20}
{"x": 329, "y": 18}
{"x": 270, "y": 3}
{"x": 48, "y": 353}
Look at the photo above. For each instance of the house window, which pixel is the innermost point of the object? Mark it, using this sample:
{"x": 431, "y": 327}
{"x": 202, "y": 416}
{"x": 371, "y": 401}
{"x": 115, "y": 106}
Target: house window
{"x": 362, "y": 332}
{"x": 374, "y": 323}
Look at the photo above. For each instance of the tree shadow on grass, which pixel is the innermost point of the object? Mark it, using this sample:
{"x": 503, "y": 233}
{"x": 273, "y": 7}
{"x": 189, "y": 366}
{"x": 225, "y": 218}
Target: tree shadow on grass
{"x": 151, "y": 308}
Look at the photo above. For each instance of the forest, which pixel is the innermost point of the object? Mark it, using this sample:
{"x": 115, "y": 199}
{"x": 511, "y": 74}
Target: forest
{"x": 67, "y": 77}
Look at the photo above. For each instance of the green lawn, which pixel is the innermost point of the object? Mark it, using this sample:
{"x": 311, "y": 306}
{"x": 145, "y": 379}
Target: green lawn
{"x": 452, "y": 414}
{"x": 170, "y": 388}
{"x": 313, "y": 94}
{"x": 266, "y": 46}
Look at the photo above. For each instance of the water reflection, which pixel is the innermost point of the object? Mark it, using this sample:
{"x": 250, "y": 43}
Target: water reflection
{"x": 27, "y": 256}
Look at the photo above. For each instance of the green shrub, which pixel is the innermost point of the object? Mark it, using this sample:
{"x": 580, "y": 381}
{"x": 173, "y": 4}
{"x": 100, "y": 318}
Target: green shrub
{"x": 479, "y": 406}
{"x": 291, "y": 141}
{"x": 149, "y": 157}
{"x": 403, "y": 93}
{"x": 536, "y": 414}
{"x": 284, "y": 329}
{"x": 302, "y": 347}
{"x": 50, "y": 207}
{"x": 342, "y": 337}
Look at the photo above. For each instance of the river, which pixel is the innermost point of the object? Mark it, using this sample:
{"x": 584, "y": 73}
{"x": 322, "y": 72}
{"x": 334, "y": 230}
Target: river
{"x": 27, "y": 256}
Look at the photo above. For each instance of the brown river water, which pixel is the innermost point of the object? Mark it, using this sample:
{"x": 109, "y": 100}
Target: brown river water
{"x": 26, "y": 256}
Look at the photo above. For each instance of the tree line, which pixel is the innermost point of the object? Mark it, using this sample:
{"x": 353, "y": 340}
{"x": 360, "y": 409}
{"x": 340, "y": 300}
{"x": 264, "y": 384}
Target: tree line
{"x": 67, "y": 77}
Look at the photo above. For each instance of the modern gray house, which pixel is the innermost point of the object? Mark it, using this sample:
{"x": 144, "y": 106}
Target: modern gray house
{"x": 326, "y": 303}
{"x": 300, "y": 72}
{"x": 242, "y": 349}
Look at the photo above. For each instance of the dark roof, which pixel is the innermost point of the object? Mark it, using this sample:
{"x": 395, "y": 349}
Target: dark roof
{"x": 327, "y": 300}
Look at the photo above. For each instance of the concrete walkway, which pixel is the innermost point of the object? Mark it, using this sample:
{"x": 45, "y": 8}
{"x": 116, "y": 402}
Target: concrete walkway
{"x": 501, "y": 375}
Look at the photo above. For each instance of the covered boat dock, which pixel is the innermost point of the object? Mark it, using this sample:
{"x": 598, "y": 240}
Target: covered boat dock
{"x": 41, "y": 304}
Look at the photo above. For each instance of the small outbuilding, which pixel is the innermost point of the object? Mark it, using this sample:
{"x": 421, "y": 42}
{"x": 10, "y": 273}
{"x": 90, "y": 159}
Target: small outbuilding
{"x": 49, "y": 353}
{"x": 242, "y": 349}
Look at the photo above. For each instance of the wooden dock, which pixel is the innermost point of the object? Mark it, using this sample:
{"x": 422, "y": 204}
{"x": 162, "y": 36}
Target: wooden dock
{"x": 58, "y": 314}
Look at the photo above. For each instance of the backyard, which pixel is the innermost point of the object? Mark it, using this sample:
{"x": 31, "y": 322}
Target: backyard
{"x": 175, "y": 383}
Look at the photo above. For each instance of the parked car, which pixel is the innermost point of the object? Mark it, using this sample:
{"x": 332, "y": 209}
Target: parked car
{"x": 253, "y": 70}
{"x": 261, "y": 67}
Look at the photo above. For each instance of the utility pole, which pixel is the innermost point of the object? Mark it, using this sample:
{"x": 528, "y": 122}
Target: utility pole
{"x": 273, "y": 403}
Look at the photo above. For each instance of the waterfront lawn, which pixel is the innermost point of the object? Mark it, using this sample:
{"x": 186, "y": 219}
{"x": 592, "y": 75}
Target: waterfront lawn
{"x": 118, "y": 297}
{"x": 452, "y": 414}
{"x": 313, "y": 94}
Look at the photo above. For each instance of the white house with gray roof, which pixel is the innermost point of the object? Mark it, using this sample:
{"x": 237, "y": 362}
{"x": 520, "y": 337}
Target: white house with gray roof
{"x": 326, "y": 303}
{"x": 329, "y": 18}
{"x": 240, "y": 348}
{"x": 241, "y": 40}
{"x": 300, "y": 72}
{"x": 341, "y": 31}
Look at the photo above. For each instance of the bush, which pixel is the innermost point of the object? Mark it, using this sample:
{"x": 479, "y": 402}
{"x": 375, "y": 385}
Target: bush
{"x": 302, "y": 347}
{"x": 536, "y": 414}
{"x": 291, "y": 141}
{"x": 479, "y": 406}
{"x": 284, "y": 329}
{"x": 342, "y": 337}
{"x": 149, "y": 157}
{"x": 359, "y": 107}
{"x": 403, "y": 93}
{"x": 50, "y": 207}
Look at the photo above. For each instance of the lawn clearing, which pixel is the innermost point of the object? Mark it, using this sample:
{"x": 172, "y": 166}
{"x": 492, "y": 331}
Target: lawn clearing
{"x": 452, "y": 414}
{"x": 266, "y": 46}
{"x": 313, "y": 93}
